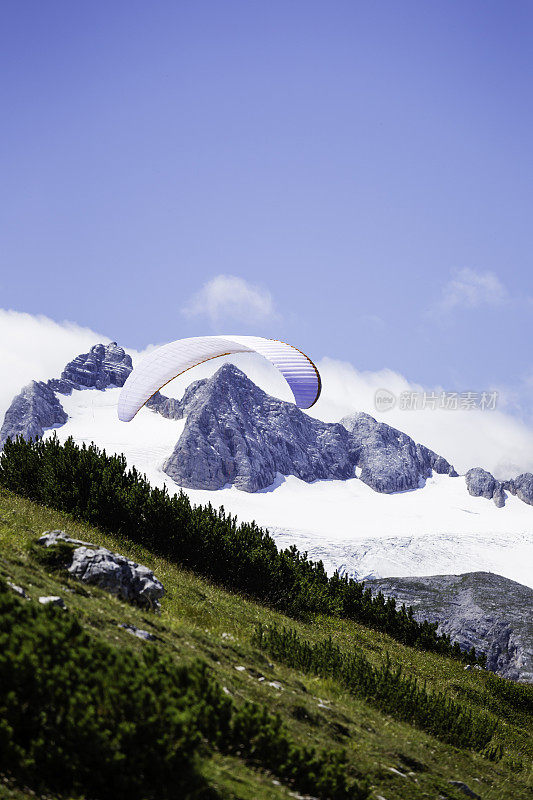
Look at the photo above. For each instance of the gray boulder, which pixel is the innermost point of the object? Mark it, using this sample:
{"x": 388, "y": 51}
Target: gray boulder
{"x": 52, "y": 600}
{"x": 237, "y": 434}
{"x": 138, "y": 632}
{"x": 477, "y": 609}
{"x": 31, "y": 412}
{"x": 390, "y": 461}
{"x": 465, "y": 789}
{"x": 116, "y": 574}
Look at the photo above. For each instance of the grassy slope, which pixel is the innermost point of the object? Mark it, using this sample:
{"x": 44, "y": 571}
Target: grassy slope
{"x": 198, "y": 619}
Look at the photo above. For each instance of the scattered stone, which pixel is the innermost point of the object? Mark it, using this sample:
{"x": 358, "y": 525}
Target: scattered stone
{"x": 117, "y": 574}
{"x": 275, "y": 685}
{"x": 138, "y": 632}
{"x": 240, "y": 669}
{"x": 397, "y": 772}
{"x": 226, "y": 690}
{"x": 463, "y": 787}
{"x": 17, "y": 589}
{"x": 468, "y": 666}
{"x": 52, "y": 600}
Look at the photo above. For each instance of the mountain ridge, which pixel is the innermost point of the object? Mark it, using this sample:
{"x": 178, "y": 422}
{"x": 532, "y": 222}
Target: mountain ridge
{"x": 476, "y": 609}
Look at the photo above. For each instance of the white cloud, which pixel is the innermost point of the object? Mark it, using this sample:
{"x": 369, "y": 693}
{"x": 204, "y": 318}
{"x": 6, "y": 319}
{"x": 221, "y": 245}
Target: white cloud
{"x": 36, "y": 347}
{"x": 471, "y": 289}
{"x": 227, "y": 297}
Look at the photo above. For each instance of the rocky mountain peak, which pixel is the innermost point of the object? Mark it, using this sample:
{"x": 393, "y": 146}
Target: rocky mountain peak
{"x": 104, "y": 365}
{"x": 481, "y": 483}
{"x": 236, "y": 433}
{"x": 390, "y": 461}
{"x": 33, "y": 410}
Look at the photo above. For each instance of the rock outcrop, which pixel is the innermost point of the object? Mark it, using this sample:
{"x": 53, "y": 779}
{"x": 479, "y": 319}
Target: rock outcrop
{"x": 237, "y": 434}
{"x": 104, "y": 365}
{"x": 477, "y": 609}
{"x": 37, "y": 407}
{"x": 32, "y": 411}
{"x": 389, "y": 460}
{"x": 522, "y": 487}
{"x": 481, "y": 483}
{"x": 116, "y": 574}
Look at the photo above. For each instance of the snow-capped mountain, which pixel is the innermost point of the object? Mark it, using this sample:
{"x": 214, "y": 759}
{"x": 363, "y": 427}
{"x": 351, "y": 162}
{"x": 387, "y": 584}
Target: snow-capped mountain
{"x": 360, "y": 495}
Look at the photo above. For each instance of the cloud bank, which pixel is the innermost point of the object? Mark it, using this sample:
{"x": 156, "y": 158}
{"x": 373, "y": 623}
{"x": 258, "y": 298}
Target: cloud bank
{"x": 36, "y": 347}
{"x": 229, "y": 298}
{"x": 471, "y": 289}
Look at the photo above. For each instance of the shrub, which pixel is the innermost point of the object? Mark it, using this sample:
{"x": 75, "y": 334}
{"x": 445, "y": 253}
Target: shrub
{"x": 386, "y": 688}
{"x": 80, "y": 716}
{"x": 99, "y": 489}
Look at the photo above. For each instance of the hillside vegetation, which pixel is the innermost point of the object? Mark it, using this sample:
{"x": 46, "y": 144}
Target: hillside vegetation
{"x": 233, "y": 699}
{"x": 101, "y": 490}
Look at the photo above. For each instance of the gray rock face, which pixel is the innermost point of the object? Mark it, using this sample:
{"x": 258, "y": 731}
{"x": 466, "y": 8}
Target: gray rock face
{"x": 31, "y": 412}
{"x": 103, "y": 366}
{"x": 37, "y": 408}
{"x": 481, "y": 483}
{"x": 236, "y": 433}
{"x": 168, "y": 407}
{"x": 391, "y": 461}
{"x": 522, "y": 487}
{"x": 116, "y": 574}
{"x": 477, "y": 609}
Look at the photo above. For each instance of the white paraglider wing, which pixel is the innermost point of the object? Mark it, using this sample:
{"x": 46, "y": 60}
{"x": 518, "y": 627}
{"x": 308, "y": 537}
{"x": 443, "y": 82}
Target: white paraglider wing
{"x": 171, "y": 360}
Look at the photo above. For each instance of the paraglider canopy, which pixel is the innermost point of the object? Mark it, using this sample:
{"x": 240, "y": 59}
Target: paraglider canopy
{"x": 171, "y": 360}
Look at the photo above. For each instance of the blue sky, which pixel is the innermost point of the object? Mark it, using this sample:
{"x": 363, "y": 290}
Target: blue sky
{"x": 352, "y": 177}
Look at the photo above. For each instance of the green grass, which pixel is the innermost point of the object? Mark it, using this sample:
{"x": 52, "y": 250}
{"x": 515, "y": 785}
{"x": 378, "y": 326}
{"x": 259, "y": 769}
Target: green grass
{"x": 199, "y": 619}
